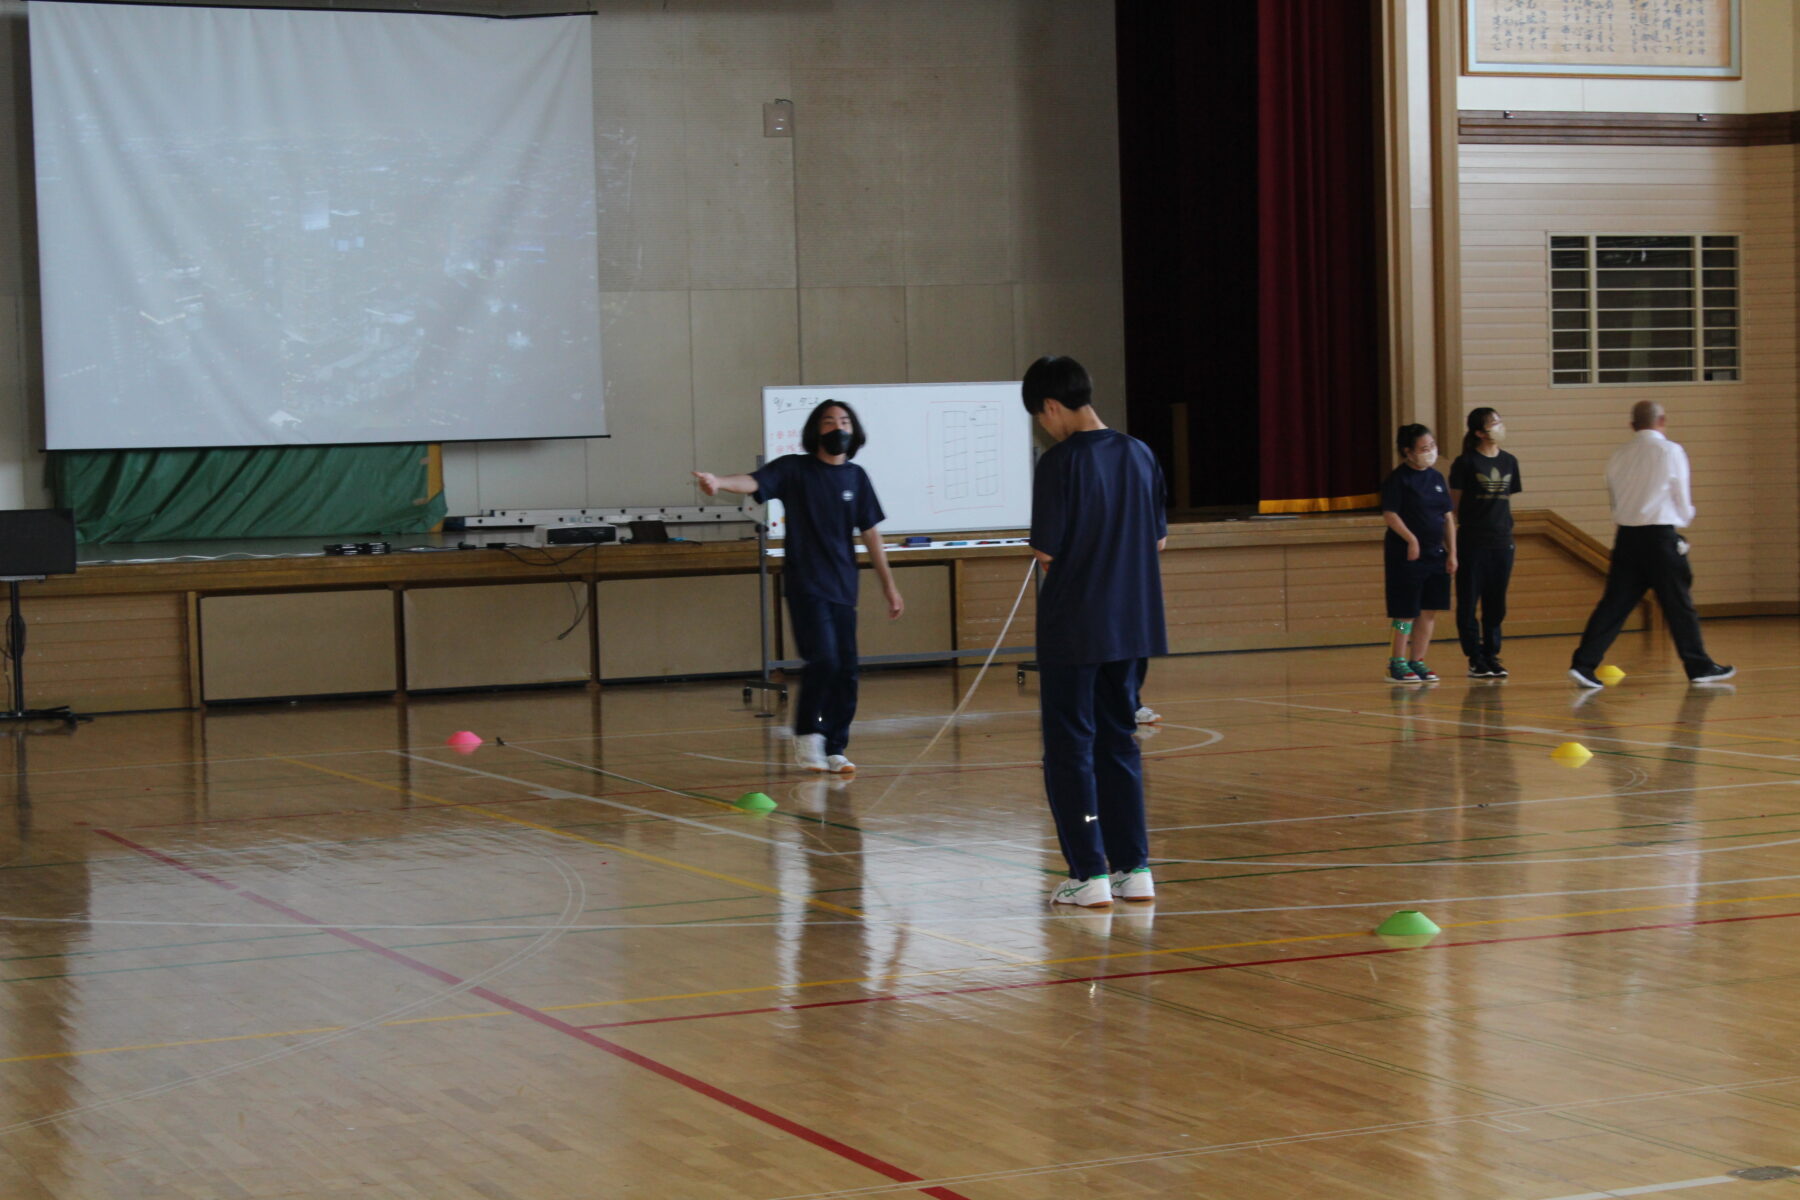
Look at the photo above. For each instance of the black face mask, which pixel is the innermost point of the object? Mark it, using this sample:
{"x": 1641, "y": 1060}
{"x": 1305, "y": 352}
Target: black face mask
{"x": 834, "y": 443}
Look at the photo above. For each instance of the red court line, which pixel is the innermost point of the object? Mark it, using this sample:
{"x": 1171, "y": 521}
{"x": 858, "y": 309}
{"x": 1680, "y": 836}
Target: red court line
{"x": 1254, "y": 962}
{"x": 804, "y": 1133}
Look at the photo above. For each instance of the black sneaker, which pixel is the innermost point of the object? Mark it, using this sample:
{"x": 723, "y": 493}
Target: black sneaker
{"x": 1495, "y": 670}
{"x": 1718, "y": 674}
{"x": 1478, "y": 669}
{"x": 1584, "y": 678}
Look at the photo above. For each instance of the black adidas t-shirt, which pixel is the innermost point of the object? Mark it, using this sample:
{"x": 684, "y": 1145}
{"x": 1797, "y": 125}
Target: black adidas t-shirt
{"x": 1484, "y": 518}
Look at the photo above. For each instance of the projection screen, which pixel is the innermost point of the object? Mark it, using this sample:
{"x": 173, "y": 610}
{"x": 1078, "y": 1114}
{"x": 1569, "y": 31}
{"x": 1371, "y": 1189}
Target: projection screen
{"x": 265, "y": 227}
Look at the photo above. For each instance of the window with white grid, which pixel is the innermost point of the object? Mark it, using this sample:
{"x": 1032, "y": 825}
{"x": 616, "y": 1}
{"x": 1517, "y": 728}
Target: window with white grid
{"x": 1643, "y": 308}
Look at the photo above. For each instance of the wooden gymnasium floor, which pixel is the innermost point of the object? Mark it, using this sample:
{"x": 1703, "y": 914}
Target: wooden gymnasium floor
{"x": 305, "y": 951}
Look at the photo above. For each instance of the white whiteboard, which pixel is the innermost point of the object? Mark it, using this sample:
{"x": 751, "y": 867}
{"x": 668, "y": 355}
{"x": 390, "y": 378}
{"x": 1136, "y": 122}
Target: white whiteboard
{"x": 943, "y": 456}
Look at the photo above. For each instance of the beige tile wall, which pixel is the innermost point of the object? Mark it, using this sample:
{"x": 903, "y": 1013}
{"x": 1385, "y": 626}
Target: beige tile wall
{"x": 1740, "y": 437}
{"x": 947, "y": 210}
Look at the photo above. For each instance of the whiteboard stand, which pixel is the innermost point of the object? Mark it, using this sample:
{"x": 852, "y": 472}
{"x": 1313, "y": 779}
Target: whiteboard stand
{"x": 762, "y": 682}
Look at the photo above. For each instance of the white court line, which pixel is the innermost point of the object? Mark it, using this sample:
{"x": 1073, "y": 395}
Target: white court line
{"x": 1559, "y": 733}
{"x": 1468, "y": 862}
{"x": 1516, "y": 684}
{"x": 1035, "y": 915}
{"x": 1215, "y": 738}
{"x": 545, "y": 792}
{"x": 1648, "y": 1188}
{"x": 1354, "y": 814}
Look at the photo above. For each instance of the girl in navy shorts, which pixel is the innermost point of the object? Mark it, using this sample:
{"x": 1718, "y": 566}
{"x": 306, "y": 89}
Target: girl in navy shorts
{"x": 1419, "y": 553}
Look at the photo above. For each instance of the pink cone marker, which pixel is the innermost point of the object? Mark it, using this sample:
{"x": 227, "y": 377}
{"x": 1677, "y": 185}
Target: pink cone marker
{"x": 463, "y": 740}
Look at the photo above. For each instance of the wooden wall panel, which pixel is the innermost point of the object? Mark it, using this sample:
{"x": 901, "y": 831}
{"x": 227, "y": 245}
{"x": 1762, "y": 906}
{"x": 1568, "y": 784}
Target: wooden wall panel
{"x": 297, "y": 644}
{"x": 985, "y": 590}
{"x": 460, "y": 637}
{"x": 701, "y": 625}
{"x": 105, "y": 653}
{"x": 1232, "y": 593}
{"x": 1740, "y": 437}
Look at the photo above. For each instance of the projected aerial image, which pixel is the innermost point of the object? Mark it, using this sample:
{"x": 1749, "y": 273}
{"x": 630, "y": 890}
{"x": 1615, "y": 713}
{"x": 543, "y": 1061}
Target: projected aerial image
{"x": 367, "y": 311}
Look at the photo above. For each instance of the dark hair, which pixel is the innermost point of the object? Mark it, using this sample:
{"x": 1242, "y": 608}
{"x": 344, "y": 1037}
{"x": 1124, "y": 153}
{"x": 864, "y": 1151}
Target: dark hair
{"x": 1057, "y": 378}
{"x": 1408, "y": 435}
{"x": 1478, "y": 419}
{"x": 809, "y": 432}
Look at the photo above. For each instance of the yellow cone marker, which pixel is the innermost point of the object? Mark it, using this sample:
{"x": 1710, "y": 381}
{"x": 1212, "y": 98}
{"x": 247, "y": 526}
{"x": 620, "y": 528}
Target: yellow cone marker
{"x": 1571, "y": 754}
{"x": 1609, "y": 675}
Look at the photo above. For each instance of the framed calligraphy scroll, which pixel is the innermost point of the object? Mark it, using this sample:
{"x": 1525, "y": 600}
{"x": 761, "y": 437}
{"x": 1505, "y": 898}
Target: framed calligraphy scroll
{"x": 1616, "y": 39}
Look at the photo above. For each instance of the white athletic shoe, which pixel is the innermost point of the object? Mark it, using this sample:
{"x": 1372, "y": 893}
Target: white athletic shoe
{"x": 1091, "y": 893}
{"x": 1135, "y": 886}
{"x": 809, "y": 752}
{"x": 837, "y": 764}
{"x": 1148, "y": 716}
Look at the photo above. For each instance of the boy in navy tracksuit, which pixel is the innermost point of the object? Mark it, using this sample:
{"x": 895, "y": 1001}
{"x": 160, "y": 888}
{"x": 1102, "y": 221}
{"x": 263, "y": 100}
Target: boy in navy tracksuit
{"x": 1098, "y": 521}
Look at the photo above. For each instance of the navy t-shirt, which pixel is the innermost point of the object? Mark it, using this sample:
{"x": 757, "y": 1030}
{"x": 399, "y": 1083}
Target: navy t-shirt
{"x": 825, "y": 505}
{"x": 1487, "y": 485}
{"x": 1422, "y": 502}
{"x": 1097, "y": 509}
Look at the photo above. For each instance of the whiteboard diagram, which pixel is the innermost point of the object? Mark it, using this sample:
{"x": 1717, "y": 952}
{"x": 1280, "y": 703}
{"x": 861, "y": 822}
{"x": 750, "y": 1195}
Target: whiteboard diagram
{"x": 964, "y": 447}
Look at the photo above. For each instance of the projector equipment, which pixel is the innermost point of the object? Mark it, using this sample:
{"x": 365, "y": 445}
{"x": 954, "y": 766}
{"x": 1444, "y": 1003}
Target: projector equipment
{"x": 34, "y": 542}
{"x": 581, "y": 533}
{"x": 337, "y": 548}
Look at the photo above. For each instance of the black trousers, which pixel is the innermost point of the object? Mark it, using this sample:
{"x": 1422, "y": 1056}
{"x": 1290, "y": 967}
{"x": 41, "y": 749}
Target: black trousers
{"x": 1093, "y": 774}
{"x": 1482, "y": 573}
{"x": 1645, "y": 557}
{"x": 826, "y": 634}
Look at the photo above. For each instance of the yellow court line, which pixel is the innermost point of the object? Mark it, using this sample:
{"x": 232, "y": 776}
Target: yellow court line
{"x": 826, "y": 905}
{"x": 818, "y": 983}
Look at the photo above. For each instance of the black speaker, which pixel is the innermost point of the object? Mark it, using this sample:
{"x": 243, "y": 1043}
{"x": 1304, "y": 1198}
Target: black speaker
{"x": 37, "y": 541}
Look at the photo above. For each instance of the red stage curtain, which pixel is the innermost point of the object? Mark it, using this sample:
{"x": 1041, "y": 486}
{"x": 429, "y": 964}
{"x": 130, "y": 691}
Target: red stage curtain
{"x": 1318, "y": 297}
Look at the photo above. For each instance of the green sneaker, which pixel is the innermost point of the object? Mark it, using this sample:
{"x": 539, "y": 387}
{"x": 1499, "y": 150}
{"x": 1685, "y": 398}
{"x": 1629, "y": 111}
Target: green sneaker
{"x": 1083, "y": 893}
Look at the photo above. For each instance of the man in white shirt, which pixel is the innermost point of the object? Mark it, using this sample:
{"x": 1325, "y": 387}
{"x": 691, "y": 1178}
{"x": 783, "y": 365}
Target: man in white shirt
{"x": 1648, "y": 479}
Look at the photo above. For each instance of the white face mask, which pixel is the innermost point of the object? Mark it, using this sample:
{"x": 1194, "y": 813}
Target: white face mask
{"x": 1422, "y": 460}
{"x": 1497, "y": 431}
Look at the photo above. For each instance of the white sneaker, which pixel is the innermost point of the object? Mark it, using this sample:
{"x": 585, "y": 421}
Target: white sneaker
{"x": 809, "y": 752}
{"x": 1148, "y": 716}
{"x": 839, "y": 765}
{"x": 1135, "y": 885}
{"x": 1091, "y": 893}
